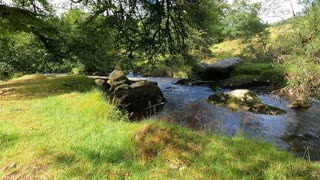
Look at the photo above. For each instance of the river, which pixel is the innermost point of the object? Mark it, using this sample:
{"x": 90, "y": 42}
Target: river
{"x": 297, "y": 131}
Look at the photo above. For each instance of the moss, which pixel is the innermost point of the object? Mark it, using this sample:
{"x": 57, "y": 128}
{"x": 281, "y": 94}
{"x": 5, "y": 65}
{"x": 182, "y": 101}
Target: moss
{"x": 243, "y": 100}
{"x": 300, "y": 103}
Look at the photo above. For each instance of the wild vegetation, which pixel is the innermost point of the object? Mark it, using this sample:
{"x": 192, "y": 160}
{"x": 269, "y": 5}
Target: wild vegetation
{"x": 160, "y": 37}
{"x": 63, "y": 127}
{"x": 66, "y": 129}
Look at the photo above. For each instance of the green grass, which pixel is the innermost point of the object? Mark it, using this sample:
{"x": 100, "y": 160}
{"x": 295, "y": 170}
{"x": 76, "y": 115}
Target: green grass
{"x": 259, "y": 71}
{"x": 63, "y": 132}
{"x": 253, "y": 68}
{"x": 226, "y": 49}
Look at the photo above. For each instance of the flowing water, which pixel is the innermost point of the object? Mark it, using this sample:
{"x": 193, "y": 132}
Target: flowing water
{"x": 186, "y": 106}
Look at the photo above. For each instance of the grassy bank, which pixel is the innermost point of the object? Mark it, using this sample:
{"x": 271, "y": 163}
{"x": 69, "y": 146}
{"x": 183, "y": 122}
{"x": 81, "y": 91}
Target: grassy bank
{"x": 61, "y": 127}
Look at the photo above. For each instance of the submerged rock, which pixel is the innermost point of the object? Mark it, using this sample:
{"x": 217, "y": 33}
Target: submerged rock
{"x": 139, "y": 99}
{"x": 300, "y": 103}
{"x": 243, "y": 100}
{"x": 215, "y": 71}
{"x": 304, "y": 142}
{"x": 184, "y": 82}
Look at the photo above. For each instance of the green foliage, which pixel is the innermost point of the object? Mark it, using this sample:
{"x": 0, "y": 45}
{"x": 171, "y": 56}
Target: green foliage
{"x": 298, "y": 49}
{"x": 109, "y": 34}
{"x": 253, "y": 68}
{"x": 260, "y": 71}
{"x": 256, "y": 49}
{"x": 88, "y": 43}
{"x": 274, "y": 76}
{"x": 242, "y": 20}
{"x": 21, "y": 52}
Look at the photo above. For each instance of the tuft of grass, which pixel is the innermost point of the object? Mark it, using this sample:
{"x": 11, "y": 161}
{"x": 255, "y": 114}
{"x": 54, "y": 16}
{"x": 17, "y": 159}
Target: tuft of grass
{"x": 77, "y": 134}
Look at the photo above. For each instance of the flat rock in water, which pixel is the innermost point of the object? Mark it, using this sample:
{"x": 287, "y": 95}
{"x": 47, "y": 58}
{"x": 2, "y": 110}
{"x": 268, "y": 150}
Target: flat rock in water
{"x": 215, "y": 71}
{"x": 243, "y": 100}
{"x": 225, "y": 63}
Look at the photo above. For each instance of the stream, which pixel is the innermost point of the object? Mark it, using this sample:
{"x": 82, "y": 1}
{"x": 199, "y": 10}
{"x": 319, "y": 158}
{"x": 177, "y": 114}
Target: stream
{"x": 297, "y": 131}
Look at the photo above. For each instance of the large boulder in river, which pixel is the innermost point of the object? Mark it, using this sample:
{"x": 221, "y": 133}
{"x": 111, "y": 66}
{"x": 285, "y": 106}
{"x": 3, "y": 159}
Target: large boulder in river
{"x": 243, "y": 100}
{"x": 215, "y": 71}
{"x": 139, "y": 99}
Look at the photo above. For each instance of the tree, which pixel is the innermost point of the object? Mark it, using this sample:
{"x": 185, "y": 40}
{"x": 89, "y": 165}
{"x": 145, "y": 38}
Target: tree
{"x": 282, "y": 9}
{"x": 299, "y": 48}
{"x": 137, "y": 29}
{"x": 242, "y": 20}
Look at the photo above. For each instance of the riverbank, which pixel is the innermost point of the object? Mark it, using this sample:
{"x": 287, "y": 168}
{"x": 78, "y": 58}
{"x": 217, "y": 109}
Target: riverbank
{"x": 61, "y": 127}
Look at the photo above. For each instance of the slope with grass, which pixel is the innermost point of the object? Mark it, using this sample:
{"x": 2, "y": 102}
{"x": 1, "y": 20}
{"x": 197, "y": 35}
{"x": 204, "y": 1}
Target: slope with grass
{"x": 61, "y": 127}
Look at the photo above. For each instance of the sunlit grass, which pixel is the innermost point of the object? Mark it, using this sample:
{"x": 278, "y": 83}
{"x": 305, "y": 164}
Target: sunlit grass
{"x": 227, "y": 49}
{"x": 75, "y": 133}
{"x": 39, "y": 86}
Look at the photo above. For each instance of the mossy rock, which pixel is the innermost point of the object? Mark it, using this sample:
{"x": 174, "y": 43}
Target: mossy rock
{"x": 243, "y": 100}
{"x": 117, "y": 78}
{"x": 184, "y": 82}
{"x": 141, "y": 99}
{"x": 300, "y": 103}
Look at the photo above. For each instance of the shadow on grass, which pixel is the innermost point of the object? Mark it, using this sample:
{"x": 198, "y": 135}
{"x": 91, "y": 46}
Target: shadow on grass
{"x": 158, "y": 148}
{"x": 39, "y": 86}
{"x": 7, "y": 140}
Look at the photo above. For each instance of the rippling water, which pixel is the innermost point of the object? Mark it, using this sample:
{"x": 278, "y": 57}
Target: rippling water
{"x": 186, "y": 106}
